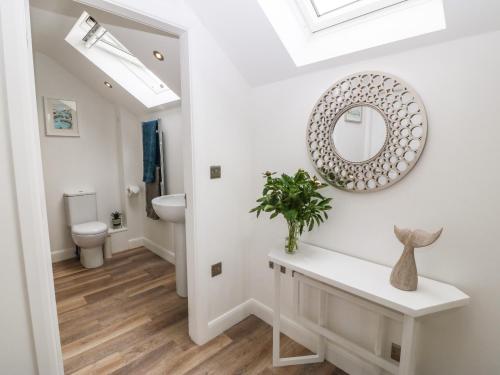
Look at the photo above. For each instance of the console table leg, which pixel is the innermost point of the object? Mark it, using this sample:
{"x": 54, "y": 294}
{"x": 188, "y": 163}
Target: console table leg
{"x": 379, "y": 339}
{"x": 276, "y": 317}
{"x": 289, "y": 361}
{"x": 407, "y": 363}
{"x": 322, "y": 320}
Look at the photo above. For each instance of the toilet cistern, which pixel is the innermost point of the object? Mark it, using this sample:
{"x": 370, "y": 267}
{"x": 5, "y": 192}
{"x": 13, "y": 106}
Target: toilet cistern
{"x": 87, "y": 232}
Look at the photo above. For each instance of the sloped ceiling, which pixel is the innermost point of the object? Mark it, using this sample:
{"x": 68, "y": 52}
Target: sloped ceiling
{"x": 244, "y": 32}
{"x": 51, "y": 20}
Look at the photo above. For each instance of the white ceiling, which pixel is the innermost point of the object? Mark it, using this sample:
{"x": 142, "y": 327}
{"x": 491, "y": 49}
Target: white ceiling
{"x": 51, "y": 21}
{"x": 244, "y": 32}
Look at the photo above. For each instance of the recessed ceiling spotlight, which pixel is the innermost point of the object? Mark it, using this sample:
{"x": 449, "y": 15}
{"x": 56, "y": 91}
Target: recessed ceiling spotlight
{"x": 108, "y": 84}
{"x": 158, "y": 55}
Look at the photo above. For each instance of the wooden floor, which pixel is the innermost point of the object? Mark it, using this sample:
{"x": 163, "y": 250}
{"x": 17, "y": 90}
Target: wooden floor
{"x": 125, "y": 318}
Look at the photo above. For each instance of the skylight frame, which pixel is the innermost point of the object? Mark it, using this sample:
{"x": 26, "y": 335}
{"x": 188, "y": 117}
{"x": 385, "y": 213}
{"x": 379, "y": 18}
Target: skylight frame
{"x": 317, "y": 6}
{"x": 107, "y": 53}
{"x": 410, "y": 19}
{"x": 318, "y": 21}
{"x": 113, "y": 46}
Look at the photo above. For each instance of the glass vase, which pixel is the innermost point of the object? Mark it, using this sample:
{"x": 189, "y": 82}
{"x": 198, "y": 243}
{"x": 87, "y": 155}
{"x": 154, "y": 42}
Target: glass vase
{"x": 292, "y": 241}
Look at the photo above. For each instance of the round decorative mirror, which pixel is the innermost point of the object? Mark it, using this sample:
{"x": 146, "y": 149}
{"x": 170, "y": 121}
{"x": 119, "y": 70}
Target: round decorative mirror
{"x": 366, "y": 132}
{"x": 359, "y": 134}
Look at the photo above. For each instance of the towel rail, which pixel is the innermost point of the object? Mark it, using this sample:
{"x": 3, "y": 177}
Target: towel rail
{"x": 159, "y": 130}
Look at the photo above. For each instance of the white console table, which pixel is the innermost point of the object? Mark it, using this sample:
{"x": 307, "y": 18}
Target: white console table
{"x": 364, "y": 284}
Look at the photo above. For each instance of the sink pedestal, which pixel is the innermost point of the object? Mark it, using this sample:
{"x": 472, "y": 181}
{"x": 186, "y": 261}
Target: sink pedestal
{"x": 180, "y": 259}
{"x": 170, "y": 208}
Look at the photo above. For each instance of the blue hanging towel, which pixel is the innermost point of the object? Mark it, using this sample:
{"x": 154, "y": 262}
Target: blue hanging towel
{"x": 150, "y": 149}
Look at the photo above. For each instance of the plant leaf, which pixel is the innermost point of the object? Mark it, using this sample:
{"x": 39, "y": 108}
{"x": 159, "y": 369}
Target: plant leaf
{"x": 296, "y": 197}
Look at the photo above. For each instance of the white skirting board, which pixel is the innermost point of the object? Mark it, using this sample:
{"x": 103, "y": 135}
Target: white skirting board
{"x": 168, "y": 255}
{"x": 119, "y": 244}
{"x": 230, "y": 318}
{"x": 135, "y": 242}
{"x": 63, "y": 254}
{"x": 162, "y": 252}
{"x": 336, "y": 355}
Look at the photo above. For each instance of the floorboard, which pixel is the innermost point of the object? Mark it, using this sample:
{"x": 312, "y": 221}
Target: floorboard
{"x": 126, "y": 318}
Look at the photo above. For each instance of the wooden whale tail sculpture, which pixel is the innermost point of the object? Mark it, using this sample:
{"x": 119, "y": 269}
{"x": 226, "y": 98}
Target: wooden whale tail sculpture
{"x": 404, "y": 274}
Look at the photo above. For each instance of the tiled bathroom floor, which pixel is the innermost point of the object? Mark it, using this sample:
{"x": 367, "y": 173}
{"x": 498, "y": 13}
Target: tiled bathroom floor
{"x": 125, "y": 318}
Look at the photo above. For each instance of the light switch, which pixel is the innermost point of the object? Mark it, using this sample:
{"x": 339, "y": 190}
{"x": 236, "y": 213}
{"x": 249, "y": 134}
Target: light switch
{"x": 215, "y": 171}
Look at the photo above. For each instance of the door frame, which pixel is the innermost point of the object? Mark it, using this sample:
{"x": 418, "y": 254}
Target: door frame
{"x": 22, "y": 116}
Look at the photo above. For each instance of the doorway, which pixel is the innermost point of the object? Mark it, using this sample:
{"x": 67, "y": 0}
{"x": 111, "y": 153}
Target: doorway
{"x": 29, "y": 179}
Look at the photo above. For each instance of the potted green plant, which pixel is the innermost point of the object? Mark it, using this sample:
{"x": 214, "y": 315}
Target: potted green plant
{"x": 116, "y": 219}
{"x": 297, "y": 199}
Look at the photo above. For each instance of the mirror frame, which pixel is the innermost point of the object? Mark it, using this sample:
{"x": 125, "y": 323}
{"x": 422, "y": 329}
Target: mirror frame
{"x": 392, "y": 98}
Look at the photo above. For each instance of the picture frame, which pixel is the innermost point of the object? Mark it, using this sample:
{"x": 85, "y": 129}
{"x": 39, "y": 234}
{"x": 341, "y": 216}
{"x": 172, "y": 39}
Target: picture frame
{"x": 354, "y": 115}
{"x": 61, "y": 117}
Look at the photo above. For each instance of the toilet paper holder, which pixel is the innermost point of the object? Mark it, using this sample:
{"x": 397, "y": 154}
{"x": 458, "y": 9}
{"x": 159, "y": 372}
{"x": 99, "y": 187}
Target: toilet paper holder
{"x": 133, "y": 190}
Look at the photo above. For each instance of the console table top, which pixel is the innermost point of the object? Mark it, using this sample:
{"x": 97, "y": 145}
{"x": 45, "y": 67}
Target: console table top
{"x": 370, "y": 281}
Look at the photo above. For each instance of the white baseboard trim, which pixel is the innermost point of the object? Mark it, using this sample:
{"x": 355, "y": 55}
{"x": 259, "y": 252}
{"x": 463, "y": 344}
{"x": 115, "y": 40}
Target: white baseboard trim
{"x": 135, "y": 242}
{"x": 168, "y": 255}
{"x": 229, "y": 318}
{"x": 162, "y": 252}
{"x": 63, "y": 254}
{"x": 335, "y": 354}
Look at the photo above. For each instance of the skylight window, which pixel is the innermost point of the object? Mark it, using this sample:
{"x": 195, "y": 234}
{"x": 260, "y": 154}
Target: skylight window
{"x": 322, "y": 14}
{"x": 104, "y": 50}
{"x": 317, "y": 30}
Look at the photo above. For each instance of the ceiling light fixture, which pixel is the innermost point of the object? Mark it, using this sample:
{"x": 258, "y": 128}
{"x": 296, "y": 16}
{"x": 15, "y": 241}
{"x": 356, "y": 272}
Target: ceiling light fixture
{"x": 158, "y": 55}
{"x": 108, "y": 84}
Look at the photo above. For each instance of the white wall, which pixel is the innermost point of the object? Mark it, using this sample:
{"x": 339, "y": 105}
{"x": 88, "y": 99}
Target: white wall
{"x": 171, "y": 125}
{"x": 130, "y": 147}
{"x": 17, "y": 354}
{"x": 69, "y": 163}
{"x": 222, "y": 136}
{"x": 454, "y": 185}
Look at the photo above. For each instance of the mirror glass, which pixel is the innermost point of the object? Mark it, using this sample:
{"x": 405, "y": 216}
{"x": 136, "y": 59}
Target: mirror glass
{"x": 359, "y": 133}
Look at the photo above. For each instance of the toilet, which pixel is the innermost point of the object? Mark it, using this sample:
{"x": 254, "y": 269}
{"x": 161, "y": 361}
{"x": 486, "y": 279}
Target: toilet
{"x": 87, "y": 233}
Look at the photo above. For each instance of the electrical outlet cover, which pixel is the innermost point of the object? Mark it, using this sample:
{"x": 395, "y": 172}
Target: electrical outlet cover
{"x": 396, "y": 352}
{"x": 216, "y": 269}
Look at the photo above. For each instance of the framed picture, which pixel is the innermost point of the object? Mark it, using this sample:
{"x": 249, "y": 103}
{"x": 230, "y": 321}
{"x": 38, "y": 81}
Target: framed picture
{"x": 354, "y": 115}
{"x": 60, "y": 117}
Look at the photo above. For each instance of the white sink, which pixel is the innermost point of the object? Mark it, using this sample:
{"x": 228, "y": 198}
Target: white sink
{"x": 171, "y": 208}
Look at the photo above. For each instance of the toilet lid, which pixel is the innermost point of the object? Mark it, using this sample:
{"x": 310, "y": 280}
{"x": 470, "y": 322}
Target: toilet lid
{"x": 93, "y": 227}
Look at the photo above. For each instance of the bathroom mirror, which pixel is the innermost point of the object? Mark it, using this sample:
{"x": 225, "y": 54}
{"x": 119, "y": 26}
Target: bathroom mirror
{"x": 359, "y": 134}
{"x": 366, "y": 132}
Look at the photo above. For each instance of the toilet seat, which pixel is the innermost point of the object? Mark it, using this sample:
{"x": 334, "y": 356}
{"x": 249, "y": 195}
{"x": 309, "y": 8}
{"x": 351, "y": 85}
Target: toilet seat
{"x": 91, "y": 228}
